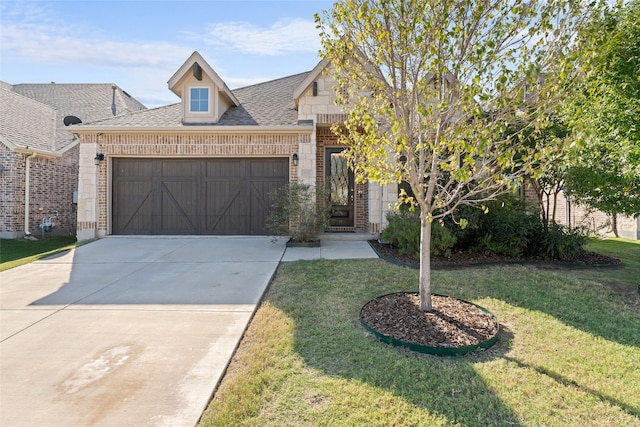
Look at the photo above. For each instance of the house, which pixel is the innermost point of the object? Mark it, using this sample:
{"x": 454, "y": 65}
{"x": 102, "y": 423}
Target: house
{"x": 206, "y": 165}
{"x": 572, "y": 214}
{"x": 38, "y": 154}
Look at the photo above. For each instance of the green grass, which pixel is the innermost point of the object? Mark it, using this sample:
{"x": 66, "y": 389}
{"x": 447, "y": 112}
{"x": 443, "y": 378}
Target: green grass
{"x": 15, "y": 252}
{"x": 568, "y": 352}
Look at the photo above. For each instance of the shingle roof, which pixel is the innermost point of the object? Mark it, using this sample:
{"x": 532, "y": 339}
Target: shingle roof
{"x": 269, "y": 103}
{"x": 264, "y": 104}
{"x": 88, "y": 102}
{"x": 26, "y": 123}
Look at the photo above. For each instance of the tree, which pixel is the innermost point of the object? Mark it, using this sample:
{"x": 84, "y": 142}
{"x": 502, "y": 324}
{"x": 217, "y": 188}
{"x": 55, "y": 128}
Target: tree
{"x": 430, "y": 87}
{"x": 604, "y": 112}
{"x": 552, "y": 172}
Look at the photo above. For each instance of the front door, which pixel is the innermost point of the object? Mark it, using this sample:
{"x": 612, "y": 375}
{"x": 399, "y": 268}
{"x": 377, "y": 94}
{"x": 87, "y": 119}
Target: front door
{"x": 341, "y": 188}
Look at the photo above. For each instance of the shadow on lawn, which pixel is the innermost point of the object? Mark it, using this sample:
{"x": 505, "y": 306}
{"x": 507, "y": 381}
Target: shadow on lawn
{"x": 581, "y": 302}
{"x": 329, "y": 338}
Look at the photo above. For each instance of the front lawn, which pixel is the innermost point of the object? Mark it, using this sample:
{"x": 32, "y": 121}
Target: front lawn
{"x": 568, "y": 352}
{"x": 15, "y": 252}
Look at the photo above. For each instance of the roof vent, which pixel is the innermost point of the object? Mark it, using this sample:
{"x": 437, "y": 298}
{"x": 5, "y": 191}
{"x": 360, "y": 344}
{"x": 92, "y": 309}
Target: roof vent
{"x": 71, "y": 120}
{"x": 113, "y": 101}
{"x": 197, "y": 71}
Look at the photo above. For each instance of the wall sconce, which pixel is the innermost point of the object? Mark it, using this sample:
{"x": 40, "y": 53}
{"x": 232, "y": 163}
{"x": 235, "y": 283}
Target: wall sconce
{"x": 295, "y": 159}
{"x": 99, "y": 157}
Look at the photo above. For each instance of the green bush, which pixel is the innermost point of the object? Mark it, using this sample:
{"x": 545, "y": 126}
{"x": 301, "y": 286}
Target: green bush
{"x": 403, "y": 232}
{"x": 560, "y": 242}
{"x": 295, "y": 212}
{"x": 507, "y": 228}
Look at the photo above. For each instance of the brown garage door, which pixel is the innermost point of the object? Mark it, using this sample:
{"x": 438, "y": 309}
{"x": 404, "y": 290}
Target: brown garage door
{"x": 202, "y": 196}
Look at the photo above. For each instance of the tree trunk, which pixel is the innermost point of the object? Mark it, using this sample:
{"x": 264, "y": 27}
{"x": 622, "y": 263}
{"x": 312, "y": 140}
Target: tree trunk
{"x": 425, "y": 265}
{"x": 614, "y": 224}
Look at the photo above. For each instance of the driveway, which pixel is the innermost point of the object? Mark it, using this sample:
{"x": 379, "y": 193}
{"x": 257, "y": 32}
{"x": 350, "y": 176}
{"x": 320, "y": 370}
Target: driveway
{"x": 127, "y": 331}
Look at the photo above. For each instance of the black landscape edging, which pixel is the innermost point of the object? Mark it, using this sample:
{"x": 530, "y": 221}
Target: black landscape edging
{"x": 440, "y": 266}
{"x": 438, "y": 351}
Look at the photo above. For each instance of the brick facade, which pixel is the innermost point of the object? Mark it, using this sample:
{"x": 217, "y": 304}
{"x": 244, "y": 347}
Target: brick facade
{"x": 571, "y": 214}
{"x": 52, "y": 183}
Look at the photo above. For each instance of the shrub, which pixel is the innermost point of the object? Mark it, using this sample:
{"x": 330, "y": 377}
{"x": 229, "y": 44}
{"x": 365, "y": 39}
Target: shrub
{"x": 560, "y": 242}
{"x": 298, "y": 211}
{"x": 507, "y": 228}
{"x": 403, "y": 232}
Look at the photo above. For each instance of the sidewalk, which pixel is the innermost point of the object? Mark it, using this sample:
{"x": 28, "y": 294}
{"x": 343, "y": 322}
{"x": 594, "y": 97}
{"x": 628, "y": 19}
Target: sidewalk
{"x": 334, "y": 246}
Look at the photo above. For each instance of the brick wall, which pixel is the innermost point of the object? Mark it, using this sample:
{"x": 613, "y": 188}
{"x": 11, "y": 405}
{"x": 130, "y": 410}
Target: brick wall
{"x": 11, "y": 193}
{"x": 52, "y": 183}
{"x": 575, "y": 215}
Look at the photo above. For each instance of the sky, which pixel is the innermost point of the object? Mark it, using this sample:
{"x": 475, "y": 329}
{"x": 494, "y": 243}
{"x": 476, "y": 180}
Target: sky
{"x": 140, "y": 44}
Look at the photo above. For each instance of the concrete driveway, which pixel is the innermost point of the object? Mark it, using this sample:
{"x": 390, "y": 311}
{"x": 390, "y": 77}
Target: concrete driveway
{"x": 126, "y": 331}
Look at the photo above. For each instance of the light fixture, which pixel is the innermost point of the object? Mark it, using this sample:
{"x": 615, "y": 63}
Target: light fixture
{"x": 295, "y": 159}
{"x": 99, "y": 157}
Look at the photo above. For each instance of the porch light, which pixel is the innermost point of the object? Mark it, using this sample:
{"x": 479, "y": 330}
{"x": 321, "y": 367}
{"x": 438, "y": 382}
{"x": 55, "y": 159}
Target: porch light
{"x": 99, "y": 157}
{"x": 294, "y": 158}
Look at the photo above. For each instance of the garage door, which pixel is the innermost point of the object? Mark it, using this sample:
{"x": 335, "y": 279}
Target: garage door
{"x": 203, "y": 196}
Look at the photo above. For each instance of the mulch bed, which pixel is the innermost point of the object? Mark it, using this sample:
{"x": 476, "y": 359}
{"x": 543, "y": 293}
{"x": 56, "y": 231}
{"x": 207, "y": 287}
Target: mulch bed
{"x": 466, "y": 259}
{"x": 452, "y": 323}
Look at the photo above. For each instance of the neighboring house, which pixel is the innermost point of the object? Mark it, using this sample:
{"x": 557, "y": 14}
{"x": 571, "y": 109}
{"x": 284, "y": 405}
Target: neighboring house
{"x": 206, "y": 165}
{"x": 38, "y": 154}
{"x": 570, "y": 213}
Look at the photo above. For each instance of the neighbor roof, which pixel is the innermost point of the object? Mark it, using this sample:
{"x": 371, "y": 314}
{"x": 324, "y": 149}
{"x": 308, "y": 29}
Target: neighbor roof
{"x": 88, "y": 102}
{"x": 26, "y": 123}
{"x": 264, "y": 104}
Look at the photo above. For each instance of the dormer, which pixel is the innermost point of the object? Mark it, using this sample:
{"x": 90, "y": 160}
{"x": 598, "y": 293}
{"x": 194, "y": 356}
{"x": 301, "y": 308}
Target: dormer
{"x": 205, "y": 96}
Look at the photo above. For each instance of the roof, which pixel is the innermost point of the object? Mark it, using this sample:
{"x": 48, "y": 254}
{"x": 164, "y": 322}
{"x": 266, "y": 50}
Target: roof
{"x": 88, "y": 102}
{"x": 26, "y": 123}
{"x": 264, "y": 104}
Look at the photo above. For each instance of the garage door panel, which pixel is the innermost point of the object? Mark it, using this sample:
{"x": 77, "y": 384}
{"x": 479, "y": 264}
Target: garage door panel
{"x": 134, "y": 207}
{"x": 179, "y": 210}
{"x": 225, "y": 207}
{"x": 194, "y": 196}
{"x": 261, "y": 203}
{"x": 225, "y": 168}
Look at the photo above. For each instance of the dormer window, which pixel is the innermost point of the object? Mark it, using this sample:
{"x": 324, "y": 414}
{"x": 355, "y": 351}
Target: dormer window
{"x": 199, "y": 100}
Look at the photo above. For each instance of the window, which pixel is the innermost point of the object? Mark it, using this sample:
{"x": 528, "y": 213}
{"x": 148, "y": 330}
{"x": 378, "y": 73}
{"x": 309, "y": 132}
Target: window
{"x": 199, "y": 100}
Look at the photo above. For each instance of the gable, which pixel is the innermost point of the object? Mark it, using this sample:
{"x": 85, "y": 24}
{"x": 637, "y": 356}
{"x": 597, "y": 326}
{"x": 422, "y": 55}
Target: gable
{"x": 204, "y": 96}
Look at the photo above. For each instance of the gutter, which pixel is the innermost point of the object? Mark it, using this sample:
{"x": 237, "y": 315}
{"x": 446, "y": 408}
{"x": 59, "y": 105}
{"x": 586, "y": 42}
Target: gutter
{"x": 26, "y": 191}
{"x": 193, "y": 129}
{"x": 29, "y": 154}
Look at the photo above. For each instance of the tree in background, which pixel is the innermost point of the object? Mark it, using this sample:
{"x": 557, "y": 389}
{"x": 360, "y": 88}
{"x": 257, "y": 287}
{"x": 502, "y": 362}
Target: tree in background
{"x": 604, "y": 112}
{"x": 552, "y": 171}
{"x": 431, "y": 85}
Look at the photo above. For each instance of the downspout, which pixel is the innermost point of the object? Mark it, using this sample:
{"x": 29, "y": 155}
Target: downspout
{"x": 26, "y": 192}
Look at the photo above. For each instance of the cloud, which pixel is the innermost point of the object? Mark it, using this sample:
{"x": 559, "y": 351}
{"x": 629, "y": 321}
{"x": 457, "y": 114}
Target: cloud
{"x": 43, "y": 44}
{"x": 283, "y": 37}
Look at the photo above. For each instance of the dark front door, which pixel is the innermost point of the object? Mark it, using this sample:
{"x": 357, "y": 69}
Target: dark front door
{"x": 341, "y": 188}
{"x": 194, "y": 196}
